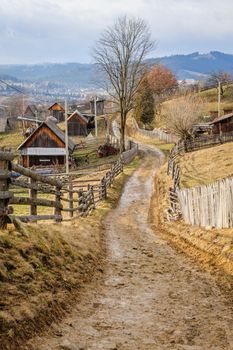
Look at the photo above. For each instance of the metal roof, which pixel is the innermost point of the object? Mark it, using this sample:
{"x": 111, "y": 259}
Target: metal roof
{"x": 43, "y": 151}
{"x": 223, "y": 117}
{"x": 56, "y": 130}
{"x": 30, "y": 119}
{"x": 79, "y": 114}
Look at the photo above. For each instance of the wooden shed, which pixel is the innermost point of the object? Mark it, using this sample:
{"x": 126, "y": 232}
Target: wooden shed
{"x": 4, "y": 124}
{"x": 223, "y": 124}
{"x": 77, "y": 124}
{"x": 45, "y": 146}
{"x": 99, "y": 106}
{"x": 57, "y": 111}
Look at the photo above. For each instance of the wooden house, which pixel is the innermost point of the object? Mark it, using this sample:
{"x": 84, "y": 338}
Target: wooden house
{"x": 223, "y": 124}
{"x": 57, "y": 111}
{"x": 227, "y": 111}
{"x": 202, "y": 129}
{"x": 4, "y": 124}
{"x": 214, "y": 114}
{"x": 77, "y": 124}
{"x": 31, "y": 110}
{"x": 99, "y": 106}
{"x": 45, "y": 146}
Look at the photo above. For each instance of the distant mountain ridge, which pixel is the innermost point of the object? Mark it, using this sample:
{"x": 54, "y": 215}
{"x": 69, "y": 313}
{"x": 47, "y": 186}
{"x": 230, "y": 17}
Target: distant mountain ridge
{"x": 193, "y": 66}
{"x": 196, "y": 65}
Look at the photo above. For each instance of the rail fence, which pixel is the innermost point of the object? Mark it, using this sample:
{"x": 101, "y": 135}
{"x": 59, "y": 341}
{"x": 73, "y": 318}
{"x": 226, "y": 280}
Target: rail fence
{"x": 206, "y": 141}
{"x": 69, "y": 195}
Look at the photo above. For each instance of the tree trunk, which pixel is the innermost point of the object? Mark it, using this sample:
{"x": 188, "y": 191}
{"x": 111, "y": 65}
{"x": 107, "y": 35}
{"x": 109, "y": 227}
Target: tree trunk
{"x": 123, "y": 123}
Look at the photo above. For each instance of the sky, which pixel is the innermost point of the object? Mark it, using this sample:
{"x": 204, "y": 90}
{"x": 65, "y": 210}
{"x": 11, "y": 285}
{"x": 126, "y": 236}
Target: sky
{"x": 40, "y": 31}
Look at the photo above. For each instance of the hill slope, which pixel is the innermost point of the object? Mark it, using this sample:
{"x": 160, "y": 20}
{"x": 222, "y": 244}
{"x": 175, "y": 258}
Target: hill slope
{"x": 192, "y": 66}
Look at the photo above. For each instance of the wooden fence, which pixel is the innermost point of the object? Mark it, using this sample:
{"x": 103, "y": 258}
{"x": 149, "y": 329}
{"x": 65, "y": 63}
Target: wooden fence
{"x": 61, "y": 196}
{"x": 156, "y": 134}
{"x": 207, "y": 141}
{"x": 210, "y": 205}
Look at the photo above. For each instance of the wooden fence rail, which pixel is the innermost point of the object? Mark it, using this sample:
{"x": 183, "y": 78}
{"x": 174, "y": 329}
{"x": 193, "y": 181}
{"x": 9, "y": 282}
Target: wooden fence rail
{"x": 66, "y": 196}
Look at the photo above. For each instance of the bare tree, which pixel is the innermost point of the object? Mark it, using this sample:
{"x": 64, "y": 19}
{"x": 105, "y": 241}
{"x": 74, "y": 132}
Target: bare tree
{"x": 119, "y": 53}
{"x": 182, "y": 113}
{"x": 224, "y": 78}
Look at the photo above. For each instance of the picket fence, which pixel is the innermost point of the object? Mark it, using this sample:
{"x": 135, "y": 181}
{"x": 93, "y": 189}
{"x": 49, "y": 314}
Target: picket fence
{"x": 156, "y": 134}
{"x": 209, "y": 205}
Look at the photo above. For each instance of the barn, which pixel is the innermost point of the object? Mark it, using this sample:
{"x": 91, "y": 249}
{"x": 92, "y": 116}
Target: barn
{"x": 4, "y": 124}
{"x": 57, "y": 111}
{"x": 99, "y": 106}
{"x": 45, "y": 146}
{"x": 77, "y": 124}
{"x": 223, "y": 124}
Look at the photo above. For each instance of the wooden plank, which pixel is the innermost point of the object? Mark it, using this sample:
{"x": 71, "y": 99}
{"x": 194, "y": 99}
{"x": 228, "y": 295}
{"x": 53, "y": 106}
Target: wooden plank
{"x": 33, "y": 196}
{"x": 33, "y": 218}
{"x": 37, "y": 177}
{"x": 36, "y": 201}
{"x": 6, "y": 156}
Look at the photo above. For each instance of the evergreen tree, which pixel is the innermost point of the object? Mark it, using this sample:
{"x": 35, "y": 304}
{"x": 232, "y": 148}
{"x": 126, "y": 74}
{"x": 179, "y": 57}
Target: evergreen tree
{"x": 145, "y": 103}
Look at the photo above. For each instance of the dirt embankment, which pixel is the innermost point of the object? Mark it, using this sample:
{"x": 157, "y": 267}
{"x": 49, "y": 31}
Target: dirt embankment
{"x": 40, "y": 273}
{"x": 43, "y": 270}
{"x": 213, "y": 247}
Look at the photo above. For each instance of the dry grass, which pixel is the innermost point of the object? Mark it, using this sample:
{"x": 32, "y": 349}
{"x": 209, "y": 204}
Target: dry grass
{"x": 206, "y": 166}
{"x": 131, "y": 131}
{"x": 12, "y": 140}
{"x": 41, "y": 270}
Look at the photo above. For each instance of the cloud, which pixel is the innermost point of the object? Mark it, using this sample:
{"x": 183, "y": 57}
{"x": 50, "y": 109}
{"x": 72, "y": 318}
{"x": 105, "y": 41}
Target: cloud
{"x": 65, "y": 30}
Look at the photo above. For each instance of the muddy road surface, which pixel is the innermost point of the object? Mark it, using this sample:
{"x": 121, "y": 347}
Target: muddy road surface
{"x": 150, "y": 296}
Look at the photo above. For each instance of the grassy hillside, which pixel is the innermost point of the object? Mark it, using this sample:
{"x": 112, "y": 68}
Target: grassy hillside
{"x": 211, "y": 99}
{"x": 12, "y": 140}
{"x": 207, "y": 165}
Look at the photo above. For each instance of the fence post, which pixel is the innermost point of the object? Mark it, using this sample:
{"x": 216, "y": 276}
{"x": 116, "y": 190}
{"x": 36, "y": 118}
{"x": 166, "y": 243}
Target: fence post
{"x": 5, "y": 195}
{"x": 80, "y": 201}
{"x": 71, "y": 198}
{"x": 57, "y": 211}
{"x": 103, "y": 188}
{"x": 33, "y": 195}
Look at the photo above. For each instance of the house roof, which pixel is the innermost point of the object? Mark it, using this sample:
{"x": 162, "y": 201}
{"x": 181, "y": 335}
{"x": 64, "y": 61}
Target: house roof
{"x": 76, "y": 112}
{"x": 58, "y": 104}
{"x": 3, "y": 124}
{"x": 33, "y": 108}
{"x": 32, "y": 118}
{"x": 56, "y": 130}
{"x": 223, "y": 117}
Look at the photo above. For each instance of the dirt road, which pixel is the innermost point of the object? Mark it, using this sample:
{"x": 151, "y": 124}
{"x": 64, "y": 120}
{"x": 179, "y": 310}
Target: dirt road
{"x": 151, "y": 296}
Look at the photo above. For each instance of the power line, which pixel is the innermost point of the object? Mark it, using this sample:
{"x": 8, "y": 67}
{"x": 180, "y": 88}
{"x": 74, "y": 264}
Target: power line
{"x": 12, "y": 87}
{"x": 22, "y": 92}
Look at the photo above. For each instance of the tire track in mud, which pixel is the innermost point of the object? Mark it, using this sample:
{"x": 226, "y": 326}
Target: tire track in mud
{"x": 150, "y": 295}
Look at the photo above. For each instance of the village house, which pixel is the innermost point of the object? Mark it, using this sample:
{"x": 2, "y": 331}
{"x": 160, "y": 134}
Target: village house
{"x": 32, "y": 117}
{"x": 77, "y": 124}
{"x": 4, "y": 124}
{"x": 57, "y": 111}
{"x": 223, "y": 124}
{"x": 45, "y": 146}
{"x": 99, "y": 106}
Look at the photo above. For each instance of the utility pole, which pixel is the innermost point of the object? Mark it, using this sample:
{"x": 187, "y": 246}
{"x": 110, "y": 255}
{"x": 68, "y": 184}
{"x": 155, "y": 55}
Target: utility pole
{"x": 66, "y": 139}
{"x": 219, "y": 98}
{"x": 95, "y": 110}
